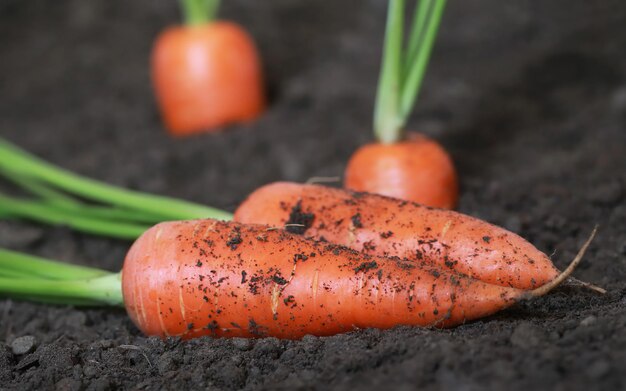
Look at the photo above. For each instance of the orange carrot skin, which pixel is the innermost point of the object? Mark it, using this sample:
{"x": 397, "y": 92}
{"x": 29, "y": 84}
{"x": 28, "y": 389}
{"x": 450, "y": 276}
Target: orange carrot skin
{"x": 384, "y": 226}
{"x": 225, "y": 279}
{"x": 206, "y": 76}
{"x": 417, "y": 169}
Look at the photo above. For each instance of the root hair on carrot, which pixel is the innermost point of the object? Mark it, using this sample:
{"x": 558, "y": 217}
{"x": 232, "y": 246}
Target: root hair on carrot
{"x": 544, "y": 289}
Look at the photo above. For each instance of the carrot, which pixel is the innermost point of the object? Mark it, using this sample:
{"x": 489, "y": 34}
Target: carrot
{"x": 206, "y": 73}
{"x": 378, "y": 225}
{"x": 205, "y": 277}
{"x": 416, "y": 169}
{"x": 408, "y": 166}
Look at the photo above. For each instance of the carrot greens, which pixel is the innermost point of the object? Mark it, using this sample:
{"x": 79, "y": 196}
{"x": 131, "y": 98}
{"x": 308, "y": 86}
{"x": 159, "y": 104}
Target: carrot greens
{"x": 27, "y": 277}
{"x": 198, "y": 12}
{"x": 403, "y": 68}
{"x": 63, "y": 197}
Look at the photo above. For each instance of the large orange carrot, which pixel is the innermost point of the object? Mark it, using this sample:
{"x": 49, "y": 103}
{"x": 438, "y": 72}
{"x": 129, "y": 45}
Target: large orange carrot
{"x": 379, "y": 225}
{"x": 205, "y": 277}
{"x": 206, "y": 73}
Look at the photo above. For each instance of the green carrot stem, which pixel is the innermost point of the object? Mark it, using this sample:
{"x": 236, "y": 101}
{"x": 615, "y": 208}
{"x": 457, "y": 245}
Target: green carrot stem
{"x": 49, "y": 214}
{"x": 415, "y": 74}
{"x": 71, "y": 205}
{"x": 37, "y": 188}
{"x": 13, "y": 263}
{"x": 422, "y": 9}
{"x": 13, "y": 158}
{"x": 77, "y": 302}
{"x": 15, "y": 274}
{"x": 103, "y": 290}
{"x": 402, "y": 72}
{"x": 120, "y": 215}
{"x": 386, "y": 121}
{"x": 197, "y": 12}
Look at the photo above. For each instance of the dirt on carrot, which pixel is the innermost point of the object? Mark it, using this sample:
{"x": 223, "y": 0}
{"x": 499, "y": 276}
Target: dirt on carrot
{"x": 187, "y": 279}
{"x": 391, "y": 227}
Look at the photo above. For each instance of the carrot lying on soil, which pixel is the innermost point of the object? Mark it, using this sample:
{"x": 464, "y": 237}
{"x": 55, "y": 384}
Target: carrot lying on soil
{"x": 205, "y": 277}
{"x": 378, "y": 225}
{"x": 400, "y": 164}
{"x": 206, "y": 73}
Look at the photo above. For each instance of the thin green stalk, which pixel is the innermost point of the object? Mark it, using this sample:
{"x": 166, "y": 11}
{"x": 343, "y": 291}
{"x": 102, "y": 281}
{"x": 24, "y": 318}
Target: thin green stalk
{"x": 37, "y": 188}
{"x": 50, "y": 215}
{"x": 77, "y": 302}
{"x": 13, "y": 263}
{"x": 103, "y": 290}
{"x": 110, "y": 213}
{"x": 5, "y": 213}
{"x": 13, "y": 158}
{"x": 14, "y": 274}
{"x": 71, "y": 205}
{"x": 386, "y": 122}
{"x": 198, "y": 12}
{"x": 422, "y": 9}
{"x": 415, "y": 75}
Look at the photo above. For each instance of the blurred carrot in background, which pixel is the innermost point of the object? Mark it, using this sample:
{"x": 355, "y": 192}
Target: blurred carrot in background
{"x": 206, "y": 73}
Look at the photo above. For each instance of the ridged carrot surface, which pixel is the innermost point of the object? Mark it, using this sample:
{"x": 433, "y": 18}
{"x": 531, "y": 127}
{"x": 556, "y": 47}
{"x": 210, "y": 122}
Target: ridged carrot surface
{"x": 206, "y": 277}
{"x": 382, "y": 226}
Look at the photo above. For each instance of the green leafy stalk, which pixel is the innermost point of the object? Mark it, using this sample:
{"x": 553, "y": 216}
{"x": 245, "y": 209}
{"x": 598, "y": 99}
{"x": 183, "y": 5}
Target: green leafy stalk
{"x": 71, "y": 205}
{"x": 43, "y": 213}
{"x": 422, "y": 9}
{"x": 386, "y": 126}
{"x": 13, "y": 263}
{"x": 416, "y": 73}
{"x": 103, "y": 290}
{"x": 22, "y": 163}
{"x": 27, "y": 277}
{"x": 402, "y": 72}
{"x": 198, "y": 12}
{"x": 37, "y": 188}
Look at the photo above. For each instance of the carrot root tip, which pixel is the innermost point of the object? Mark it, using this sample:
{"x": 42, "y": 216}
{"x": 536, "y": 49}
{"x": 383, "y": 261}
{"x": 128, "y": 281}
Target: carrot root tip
{"x": 574, "y": 282}
{"x": 565, "y": 275}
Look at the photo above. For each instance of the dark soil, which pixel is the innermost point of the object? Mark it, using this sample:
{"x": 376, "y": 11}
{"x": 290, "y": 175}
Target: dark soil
{"x": 529, "y": 97}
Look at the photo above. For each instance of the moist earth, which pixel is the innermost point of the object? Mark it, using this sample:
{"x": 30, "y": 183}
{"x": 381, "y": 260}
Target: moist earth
{"x": 528, "y": 96}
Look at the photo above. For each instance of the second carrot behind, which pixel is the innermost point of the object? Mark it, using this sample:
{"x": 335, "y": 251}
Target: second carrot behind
{"x": 206, "y": 73}
{"x": 404, "y": 165}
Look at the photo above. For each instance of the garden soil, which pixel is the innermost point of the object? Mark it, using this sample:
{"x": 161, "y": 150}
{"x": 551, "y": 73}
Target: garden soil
{"x": 528, "y": 96}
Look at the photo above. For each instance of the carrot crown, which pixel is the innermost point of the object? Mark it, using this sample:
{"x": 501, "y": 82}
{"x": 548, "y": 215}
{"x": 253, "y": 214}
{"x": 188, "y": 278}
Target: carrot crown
{"x": 403, "y": 68}
{"x": 198, "y": 12}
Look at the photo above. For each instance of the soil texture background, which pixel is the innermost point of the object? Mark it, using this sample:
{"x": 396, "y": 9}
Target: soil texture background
{"x": 528, "y": 96}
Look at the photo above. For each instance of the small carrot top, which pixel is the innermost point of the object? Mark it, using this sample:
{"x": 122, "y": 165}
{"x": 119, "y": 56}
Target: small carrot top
{"x": 197, "y": 12}
{"x": 403, "y": 68}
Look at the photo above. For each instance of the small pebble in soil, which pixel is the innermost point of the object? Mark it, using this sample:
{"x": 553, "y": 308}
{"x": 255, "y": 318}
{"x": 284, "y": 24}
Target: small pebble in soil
{"x": 166, "y": 362}
{"x": 23, "y": 345}
{"x": 607, "y": 194}
{"x": 588, "y": 321}
{"x": 68, "y": 384}
{"x": 242, "y": 344}
{"x": 100, "y": 384}
{"x": 527, "y": 335}
{"x": 598, "y": 369}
